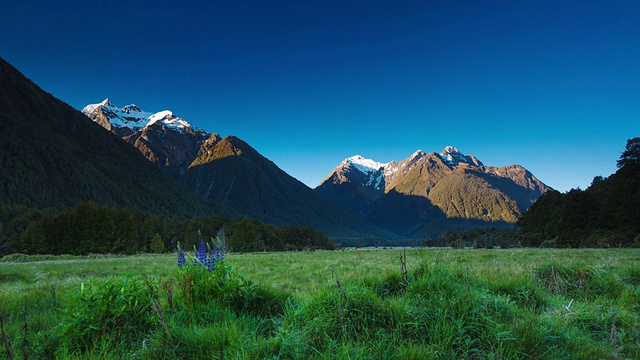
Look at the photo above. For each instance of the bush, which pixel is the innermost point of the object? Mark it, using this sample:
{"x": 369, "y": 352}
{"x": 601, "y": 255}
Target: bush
{"x": 108, "y": 314}
{"x": 548, "y": 244}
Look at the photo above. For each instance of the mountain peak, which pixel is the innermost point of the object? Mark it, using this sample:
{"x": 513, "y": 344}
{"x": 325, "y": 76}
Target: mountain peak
{"x": 417, "y": 155}
{"x": 453, "y": 156}
{"x": 131, "y": 117}
{"x": 130, "y": 108}
{"x": 106, "y": 102}
{"x": 450, "y": 150}
{"x": 365, "y": 165}
{"x": 165, "y": 114}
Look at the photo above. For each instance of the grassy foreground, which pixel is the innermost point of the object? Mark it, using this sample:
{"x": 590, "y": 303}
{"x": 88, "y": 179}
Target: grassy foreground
{"x": 450, "y": 304}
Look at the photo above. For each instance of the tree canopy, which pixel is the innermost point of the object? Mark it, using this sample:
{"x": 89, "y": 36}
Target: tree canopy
{"x": 631, "y": 155}
{"x": 606, "y": 214}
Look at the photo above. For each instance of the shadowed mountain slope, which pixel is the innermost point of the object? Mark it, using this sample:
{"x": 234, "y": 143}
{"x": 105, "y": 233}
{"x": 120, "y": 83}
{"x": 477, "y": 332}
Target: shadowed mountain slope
{"x": 52, "y": 156}
{"x": 227, "y": 170}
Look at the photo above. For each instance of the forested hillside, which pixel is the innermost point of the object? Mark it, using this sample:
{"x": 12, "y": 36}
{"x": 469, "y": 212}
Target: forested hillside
{"x": 52, "y": 155}
{"x": 606, "y": 214}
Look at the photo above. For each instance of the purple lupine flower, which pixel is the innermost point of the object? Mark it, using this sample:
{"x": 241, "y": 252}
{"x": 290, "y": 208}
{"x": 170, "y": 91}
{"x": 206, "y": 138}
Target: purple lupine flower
{"x": 211, "y": 266}
{"x": 202, "y": 251}
{"x": 182, "y": 260}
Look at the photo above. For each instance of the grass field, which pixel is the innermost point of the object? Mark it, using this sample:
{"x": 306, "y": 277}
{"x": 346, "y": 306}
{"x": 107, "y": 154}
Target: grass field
{"x": 493, "y": 304}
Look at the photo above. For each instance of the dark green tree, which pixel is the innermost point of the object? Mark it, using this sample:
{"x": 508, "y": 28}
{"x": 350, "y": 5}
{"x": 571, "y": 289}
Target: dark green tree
{"x": 631, "y": 155}
{"x": 5, "y": 243}
{"x": 540, "y": 222}
{"x": 157, "y": 246}
{"x": 579, "y": 217}
{"x": 244, "y": 237}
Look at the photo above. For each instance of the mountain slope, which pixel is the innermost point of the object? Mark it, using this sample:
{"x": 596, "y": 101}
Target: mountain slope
{"x": 228, "y": 170}
{"x": 412, "y": 195}
{"x": 234, "y": 173}
{"x": 52, "y": 156}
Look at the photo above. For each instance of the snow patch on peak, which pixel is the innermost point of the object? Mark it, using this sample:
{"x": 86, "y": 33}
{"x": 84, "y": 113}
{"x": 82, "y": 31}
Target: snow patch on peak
{"x": 450, "y": 150}
{"x": 131, "y": 108}
{"x": 417, "y": 155}
{"x": 364, "y": 164}
{"x": 372, "y": 169}
{"x": 453, "y": 156}
{"x": 132, "y": 117}
{"x": 160, "y": 116}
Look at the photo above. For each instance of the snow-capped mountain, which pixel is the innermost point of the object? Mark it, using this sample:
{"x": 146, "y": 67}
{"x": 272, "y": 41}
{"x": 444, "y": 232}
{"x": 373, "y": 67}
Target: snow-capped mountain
{"x": 129, "y": 119}
{"x": 227, "y": 170}
{"x": 405, "y": 196}
{"x": 169, "y": 141}
{"x": 453, "y": 157}
{"x": 68, "y": 160}
{"x": 373, "y": 170}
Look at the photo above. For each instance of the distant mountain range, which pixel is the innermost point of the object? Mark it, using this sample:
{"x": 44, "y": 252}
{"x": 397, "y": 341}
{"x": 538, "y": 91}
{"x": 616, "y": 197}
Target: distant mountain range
{"x": 425, "y": 193}
{"x": 420, "y": 196}
{"x": 227, "y": 170}
{"x": 52, "y": 155}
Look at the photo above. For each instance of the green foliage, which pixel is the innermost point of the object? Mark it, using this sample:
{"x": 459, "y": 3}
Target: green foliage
{"x": 5, "y": 243}
{"x": 539, "y": 223}
{"x": 479, "y": 238}
{"x": 631, "y": 154}
{"x": 244, "y": 237}
{"x": 90, "y": 228}
{"x": 512, "y": 304}
{"x": 604, "y": 215}
{"x": 157, "y": 246}
{"x": 225, "y": 287}
{"x": 108, "y": 314}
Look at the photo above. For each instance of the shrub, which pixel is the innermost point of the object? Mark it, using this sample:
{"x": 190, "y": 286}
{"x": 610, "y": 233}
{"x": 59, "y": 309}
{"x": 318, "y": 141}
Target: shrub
{"x": 548, "y": 244}
{"x": 108, "y": 314}
{"x": 211, "y": 280}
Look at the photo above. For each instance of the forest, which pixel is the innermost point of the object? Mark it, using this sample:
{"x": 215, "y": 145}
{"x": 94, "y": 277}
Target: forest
{"x": 607, "y": 214}
{"x": 90, "y": 228}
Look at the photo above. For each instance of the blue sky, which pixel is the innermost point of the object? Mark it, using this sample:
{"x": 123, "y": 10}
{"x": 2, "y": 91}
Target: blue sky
{"x": 551, "y": 85}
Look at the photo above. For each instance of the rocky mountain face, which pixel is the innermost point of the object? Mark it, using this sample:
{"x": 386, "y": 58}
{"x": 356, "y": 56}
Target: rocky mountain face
{"x": 428, "y": 191}
{"x": 227, "y": 170}
{"x": 51, "y": 156}
{"x": 168, "y": 141}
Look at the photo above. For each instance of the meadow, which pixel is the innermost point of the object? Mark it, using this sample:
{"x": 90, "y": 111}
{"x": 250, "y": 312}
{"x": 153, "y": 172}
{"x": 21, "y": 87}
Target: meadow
{"x": 352, "y": 304}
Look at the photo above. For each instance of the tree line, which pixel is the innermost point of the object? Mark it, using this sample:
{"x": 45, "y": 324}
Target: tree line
{"x": 90, "y": 228}
{"x": 606, "y": 214}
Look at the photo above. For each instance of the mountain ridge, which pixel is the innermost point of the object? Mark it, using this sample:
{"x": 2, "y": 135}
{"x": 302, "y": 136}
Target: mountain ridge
{"x": 229, "y": 171}
{"x": 63, "y": 159}
{"x": 442, "y": 186}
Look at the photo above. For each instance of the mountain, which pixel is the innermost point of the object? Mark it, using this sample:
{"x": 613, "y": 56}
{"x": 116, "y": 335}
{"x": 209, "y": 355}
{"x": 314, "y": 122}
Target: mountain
{"x": 168, "y": 141}
{"x": 227, "y": 170}
{"x": 51, "y": 155}
{"x": 428, "y": 192}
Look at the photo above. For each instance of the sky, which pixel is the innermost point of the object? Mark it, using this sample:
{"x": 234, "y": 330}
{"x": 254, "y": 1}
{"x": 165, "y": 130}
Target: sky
{"x": 551, "y": 85}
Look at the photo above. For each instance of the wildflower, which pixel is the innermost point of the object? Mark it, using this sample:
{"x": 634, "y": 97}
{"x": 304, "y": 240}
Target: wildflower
{"x": 205, "y": 254}
{"x": 182, "y": 260}
{"x": 202, "y": 252}
{"x": 211, "y": 260}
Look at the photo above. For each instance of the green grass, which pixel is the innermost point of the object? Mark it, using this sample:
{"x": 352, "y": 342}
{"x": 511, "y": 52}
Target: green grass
{"x": 477, "y": 304}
